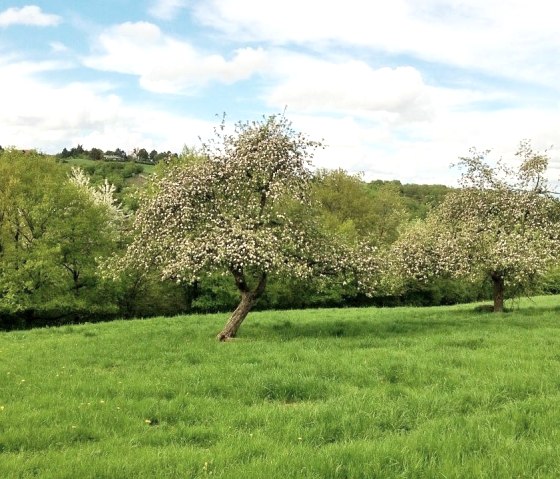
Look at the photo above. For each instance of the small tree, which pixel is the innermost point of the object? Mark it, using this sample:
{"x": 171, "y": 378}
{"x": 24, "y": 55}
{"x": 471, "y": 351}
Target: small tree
{"x": 96, "y": 154}
{"x": 238, "y": 210}
{"x": 142, "y": 154}
{"x": 502, "y": 224}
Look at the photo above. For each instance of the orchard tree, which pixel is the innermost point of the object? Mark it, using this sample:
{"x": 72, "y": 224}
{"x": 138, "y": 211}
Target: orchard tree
{"x": 240, "y": 210}
{"x": 502, "y": 224}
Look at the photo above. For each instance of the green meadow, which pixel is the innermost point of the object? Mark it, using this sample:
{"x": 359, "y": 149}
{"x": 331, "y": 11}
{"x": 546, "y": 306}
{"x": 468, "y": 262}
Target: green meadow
{"x": 446, "y": 392}
{"x": 85, "y": 162}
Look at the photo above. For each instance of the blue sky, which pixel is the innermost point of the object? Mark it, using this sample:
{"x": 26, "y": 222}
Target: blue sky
{"x": 397, "y": 90}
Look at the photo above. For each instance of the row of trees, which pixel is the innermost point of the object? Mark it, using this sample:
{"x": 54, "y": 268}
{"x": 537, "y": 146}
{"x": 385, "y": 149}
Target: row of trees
{"x": 249, "y": 207}
{"x": 243, "y": 208}
{"x": 140, "y": 155}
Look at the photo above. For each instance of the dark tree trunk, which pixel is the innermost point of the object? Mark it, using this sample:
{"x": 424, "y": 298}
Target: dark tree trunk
{"x": 498, "y": 290}
{"x": 190, "y": 293}
{"x": 248, "y": 300}
{"x": 76, "y": 279}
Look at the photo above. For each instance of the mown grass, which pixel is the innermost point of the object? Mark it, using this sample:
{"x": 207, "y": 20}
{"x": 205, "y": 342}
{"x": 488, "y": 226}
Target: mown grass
{"x": 348, "y": 393}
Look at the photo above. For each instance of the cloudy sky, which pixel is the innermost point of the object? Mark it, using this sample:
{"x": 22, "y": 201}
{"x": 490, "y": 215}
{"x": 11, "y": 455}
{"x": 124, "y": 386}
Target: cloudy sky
{"x": 396, "y": 89}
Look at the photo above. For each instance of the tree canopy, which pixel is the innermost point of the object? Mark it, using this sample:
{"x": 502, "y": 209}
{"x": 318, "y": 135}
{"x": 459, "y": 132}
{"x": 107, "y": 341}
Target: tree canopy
{"x": 501, "y": 224}
{"x": 51, "y": 233}
{"x": 239, "y": 210}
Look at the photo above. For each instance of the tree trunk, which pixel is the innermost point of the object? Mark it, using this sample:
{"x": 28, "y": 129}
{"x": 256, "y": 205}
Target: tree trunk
{"x": 237, "y": 317}
{"x": 498, "y": 290}
{"x": 248, "y": 300}
{"x": 190, "y": 293}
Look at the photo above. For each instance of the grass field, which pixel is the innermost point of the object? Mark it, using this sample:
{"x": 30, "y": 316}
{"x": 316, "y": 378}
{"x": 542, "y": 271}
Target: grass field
{"x": 348, "y": 393}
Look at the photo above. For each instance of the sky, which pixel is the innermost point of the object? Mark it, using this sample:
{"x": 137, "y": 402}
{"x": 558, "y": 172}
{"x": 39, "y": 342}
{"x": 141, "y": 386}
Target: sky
{"x": 395, "y": 89}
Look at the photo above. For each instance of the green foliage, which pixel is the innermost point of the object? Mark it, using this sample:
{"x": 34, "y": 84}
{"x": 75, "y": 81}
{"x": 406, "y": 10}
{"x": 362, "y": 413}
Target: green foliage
{"x": 342, "y": 205}
{"x": 418, "y": 199}
{"x": 96, "y": 154}
{"x": 550, "y": 282}
{"x": 357, "y": 211}
{"x": 355, "y": 393}
{"x": 51, "y": 233}
{"x": 117, "y": 173}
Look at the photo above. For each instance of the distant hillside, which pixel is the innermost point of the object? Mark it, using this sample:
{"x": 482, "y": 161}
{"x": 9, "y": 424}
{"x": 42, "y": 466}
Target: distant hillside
{"x": 419, "y": 199}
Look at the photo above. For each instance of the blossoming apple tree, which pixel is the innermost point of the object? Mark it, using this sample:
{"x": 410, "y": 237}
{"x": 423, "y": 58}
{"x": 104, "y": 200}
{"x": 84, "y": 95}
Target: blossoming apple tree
{"x": 240, "y": 209}
{"x": 502, "y": 224}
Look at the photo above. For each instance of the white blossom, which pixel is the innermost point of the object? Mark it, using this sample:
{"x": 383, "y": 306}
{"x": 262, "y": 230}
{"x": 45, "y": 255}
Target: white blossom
{"x": 502, "y": 223}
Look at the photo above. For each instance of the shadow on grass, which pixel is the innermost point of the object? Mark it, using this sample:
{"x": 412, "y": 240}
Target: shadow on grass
{"x": 381, "y": 326}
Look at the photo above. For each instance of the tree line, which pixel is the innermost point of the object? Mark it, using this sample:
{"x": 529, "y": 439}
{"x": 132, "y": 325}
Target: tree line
{"x": 139, "y": 155}
{"x": 247, "y": 223}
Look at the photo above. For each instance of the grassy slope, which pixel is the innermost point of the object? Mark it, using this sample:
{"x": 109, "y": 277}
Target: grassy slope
{"x": 356, "y": 393}
{"x": 148, "y": 169}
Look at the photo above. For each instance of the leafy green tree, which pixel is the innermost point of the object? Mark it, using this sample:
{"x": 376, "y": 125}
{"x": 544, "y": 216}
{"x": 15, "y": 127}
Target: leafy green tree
{"x": 64, "y": 154}
{"x": 389, "y": 213}
{"x": 502, "y": 224}
{"x": 349, "y": 206}
{"x": 236, "y": 212}
{"x": 51, "y": 233}
{"x": 143, "y": 155}
{"x": 345, "y": 205}
{"x": 96, "y": 154}
{"x": 77, "y": 151}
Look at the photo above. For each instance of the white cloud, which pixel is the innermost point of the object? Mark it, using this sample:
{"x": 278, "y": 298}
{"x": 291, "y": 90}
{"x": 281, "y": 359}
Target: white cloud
{"x": 517, "y": 39}
{"x": 423, "y": 152}
{"x": 166, "y": 9}
{"x": 58, "y": 47}
{"x": 36, "y": 114}
{"x": 165, "y": 64}
{"x": 28, "y": 15}
{"x": 351, "y": 87}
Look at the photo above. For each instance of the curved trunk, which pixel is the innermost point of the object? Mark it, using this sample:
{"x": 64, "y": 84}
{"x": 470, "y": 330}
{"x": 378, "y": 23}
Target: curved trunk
{"x": 498, "y": 292}
{"x": 248, "y": 300}
{"x": 237, "y": 317}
